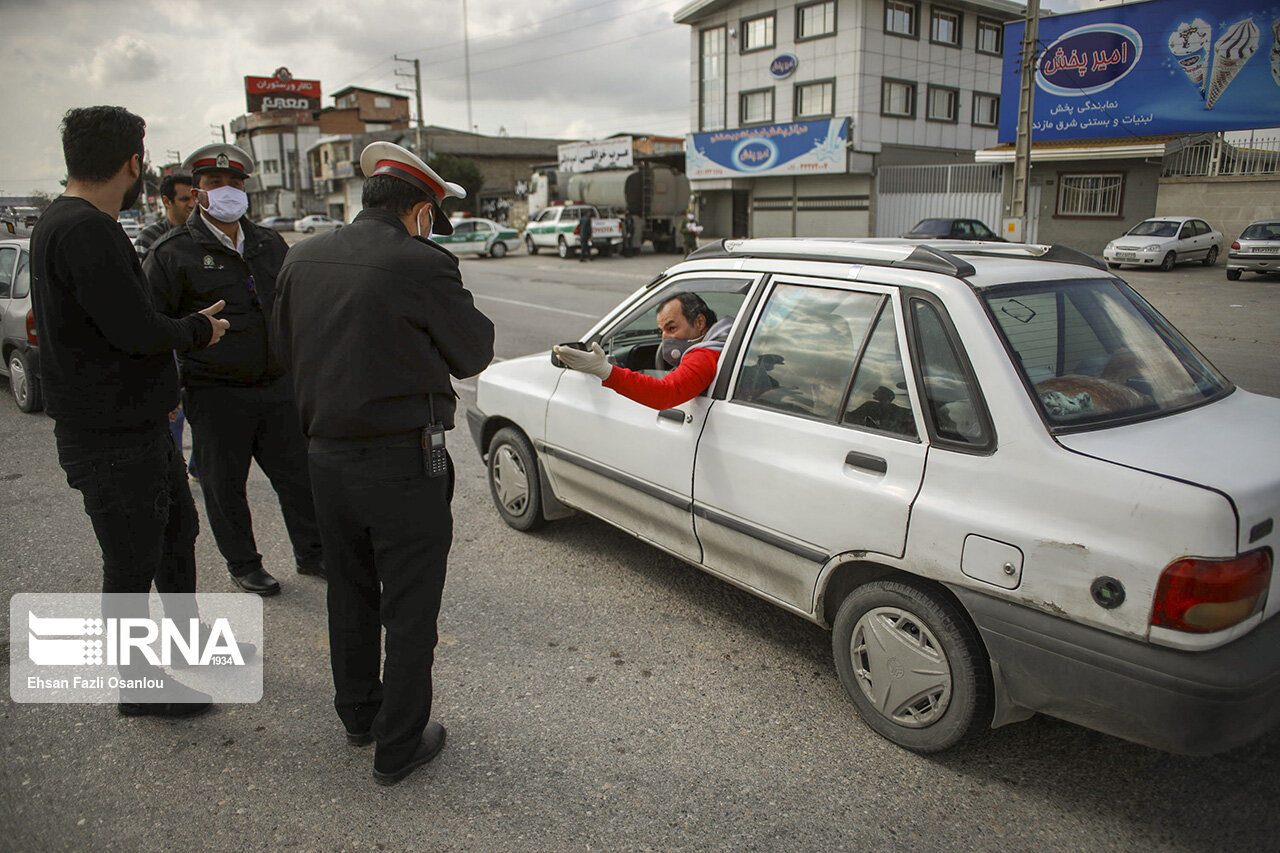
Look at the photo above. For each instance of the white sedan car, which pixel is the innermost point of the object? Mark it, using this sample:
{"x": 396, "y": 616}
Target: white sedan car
{"x": 1002, "y": 480}
{"x": 316, "y": 222}
{"x": 1165, "y": 241}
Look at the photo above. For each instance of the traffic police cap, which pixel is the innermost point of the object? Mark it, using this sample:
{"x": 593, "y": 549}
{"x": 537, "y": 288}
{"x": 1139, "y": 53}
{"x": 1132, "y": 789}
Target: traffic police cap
{"x": 386, "y": 158}
{"x": 219, "y": 157}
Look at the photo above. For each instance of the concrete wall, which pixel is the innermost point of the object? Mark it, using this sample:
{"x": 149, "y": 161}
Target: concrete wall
{"x": 1228, "y": 204}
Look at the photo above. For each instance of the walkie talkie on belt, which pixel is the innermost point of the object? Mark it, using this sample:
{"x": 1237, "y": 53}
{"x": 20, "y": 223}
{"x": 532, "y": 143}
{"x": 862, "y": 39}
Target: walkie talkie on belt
{"x": 434, "y": 458}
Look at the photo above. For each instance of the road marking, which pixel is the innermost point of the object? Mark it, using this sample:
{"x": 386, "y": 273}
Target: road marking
{"x": 534, "y": 305}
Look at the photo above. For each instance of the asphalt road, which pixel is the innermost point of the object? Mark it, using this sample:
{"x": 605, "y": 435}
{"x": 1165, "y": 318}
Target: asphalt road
{"x": 599, "y": 695}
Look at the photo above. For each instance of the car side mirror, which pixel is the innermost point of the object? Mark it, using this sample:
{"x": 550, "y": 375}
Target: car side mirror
{"x": 556, "y": 362}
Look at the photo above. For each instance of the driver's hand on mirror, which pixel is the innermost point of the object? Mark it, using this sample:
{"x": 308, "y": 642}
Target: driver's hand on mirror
{"x": 593, "y": 362}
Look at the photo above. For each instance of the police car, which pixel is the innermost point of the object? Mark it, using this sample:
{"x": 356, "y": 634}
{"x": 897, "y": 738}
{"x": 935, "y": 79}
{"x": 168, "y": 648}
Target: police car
{"x": 479, "y": 237}
{"x": 1005, "y": 483}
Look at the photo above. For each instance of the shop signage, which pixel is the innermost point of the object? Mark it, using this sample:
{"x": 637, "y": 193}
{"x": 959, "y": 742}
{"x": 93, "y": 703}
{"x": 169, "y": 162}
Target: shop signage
{"x": 799, "y": 148}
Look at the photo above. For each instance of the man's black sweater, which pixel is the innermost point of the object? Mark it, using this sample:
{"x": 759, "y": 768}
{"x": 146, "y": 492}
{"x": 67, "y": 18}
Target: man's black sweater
{"x": 106, "y": 354}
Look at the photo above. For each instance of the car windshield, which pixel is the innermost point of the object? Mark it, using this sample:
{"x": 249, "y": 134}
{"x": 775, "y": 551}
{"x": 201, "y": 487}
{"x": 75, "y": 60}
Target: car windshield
{"x": 1262, "y": 231}
{"x": 1155, "y": 228}
{"x": 1095, "y": 354}
{"x": 932, "y": 226}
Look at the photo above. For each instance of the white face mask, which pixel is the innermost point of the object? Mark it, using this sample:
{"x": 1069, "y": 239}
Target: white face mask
{"x": 431, "y": 220}
{"x": 226, "y": 204}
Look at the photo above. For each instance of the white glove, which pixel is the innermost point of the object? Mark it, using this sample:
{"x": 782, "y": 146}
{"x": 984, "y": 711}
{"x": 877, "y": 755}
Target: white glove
{"x": 592, "y": 362}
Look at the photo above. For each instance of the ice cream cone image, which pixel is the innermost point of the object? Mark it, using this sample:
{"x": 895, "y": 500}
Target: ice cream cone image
{"x": 1189, "y": 44}
{"x": 1232, "y": 50}
{"x": 1275, "y": 51}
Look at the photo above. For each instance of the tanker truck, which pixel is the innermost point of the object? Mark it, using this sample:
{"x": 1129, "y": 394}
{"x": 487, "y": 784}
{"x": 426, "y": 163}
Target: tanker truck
{"x": 656, "y": 195}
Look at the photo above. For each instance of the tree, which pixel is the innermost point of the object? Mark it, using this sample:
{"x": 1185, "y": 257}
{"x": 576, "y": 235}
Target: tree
{"x": 460, "y": 170}
{"x": 41, "y": 200}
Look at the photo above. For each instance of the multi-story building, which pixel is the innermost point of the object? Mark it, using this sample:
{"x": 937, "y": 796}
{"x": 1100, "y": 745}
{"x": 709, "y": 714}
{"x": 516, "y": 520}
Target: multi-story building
{"x": 274, "y": 139}
{"x": 795, "y": 106}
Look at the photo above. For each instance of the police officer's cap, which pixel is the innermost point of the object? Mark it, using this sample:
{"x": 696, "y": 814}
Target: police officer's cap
{"x": 219, "y": 157}
{"x": 386, "y": 158}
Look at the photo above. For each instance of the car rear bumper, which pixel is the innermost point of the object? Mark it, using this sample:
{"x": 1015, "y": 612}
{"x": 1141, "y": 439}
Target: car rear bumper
{"x": 1253, "y": 263}
{"x": 1192, "y": 703}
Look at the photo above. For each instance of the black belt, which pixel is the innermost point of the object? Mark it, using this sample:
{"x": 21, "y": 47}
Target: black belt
{"x": 323, "y": 444}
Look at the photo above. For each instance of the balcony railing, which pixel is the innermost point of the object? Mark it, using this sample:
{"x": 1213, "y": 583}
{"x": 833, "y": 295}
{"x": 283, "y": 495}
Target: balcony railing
{"x": 1216, "y": 156}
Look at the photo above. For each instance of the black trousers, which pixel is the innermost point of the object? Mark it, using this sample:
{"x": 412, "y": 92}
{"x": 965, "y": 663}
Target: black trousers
{"x": 387, "y": 529}
{"x": 231, "y": 426}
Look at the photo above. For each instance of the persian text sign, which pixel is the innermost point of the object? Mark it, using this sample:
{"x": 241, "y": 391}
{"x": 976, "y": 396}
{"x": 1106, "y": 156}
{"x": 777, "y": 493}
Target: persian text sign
{"x": 614, "y": 153}
{"x": 281, "y": 92}
{"x": 1142, "y": 69}
{"x": 800, "y": 148}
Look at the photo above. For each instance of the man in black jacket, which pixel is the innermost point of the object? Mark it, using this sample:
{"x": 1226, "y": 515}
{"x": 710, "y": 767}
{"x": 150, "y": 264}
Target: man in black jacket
{"x": 108, "y": 371}
{"x": 237, "y": 398}
{"x": 373, "y": 320}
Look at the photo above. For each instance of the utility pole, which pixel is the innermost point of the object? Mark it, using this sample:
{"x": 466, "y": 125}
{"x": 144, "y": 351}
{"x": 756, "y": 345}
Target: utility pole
{"x": 466, "y": 60}
{"x": 1026, "y": 102}
{"x": 417, "y": 93}
{"x": 214, "y": 128}
{"x": 174, "y": 155}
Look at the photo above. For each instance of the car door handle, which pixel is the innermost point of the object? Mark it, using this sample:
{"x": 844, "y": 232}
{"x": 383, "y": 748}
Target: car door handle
{"x": 672, "y": 415}
{"x": 866, "y": 461}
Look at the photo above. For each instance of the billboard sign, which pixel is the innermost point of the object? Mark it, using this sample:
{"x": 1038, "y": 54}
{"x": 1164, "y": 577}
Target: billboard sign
{"x": 1144, "y": 69}
{"x": 281, "y": 91}
{"x": 799, "y": 148}
{"x": 612, "y": 153}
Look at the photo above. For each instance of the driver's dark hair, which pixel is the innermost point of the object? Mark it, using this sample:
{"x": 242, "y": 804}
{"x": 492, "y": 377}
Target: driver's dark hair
{"x": 97, "y": 141}
{"x": 384, "y": 192}
{"x": 691, "y": 305}
{"x": 169, "y": 184}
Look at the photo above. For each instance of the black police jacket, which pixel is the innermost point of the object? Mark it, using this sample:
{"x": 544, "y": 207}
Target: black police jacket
{"x": 189, "y": 269}
{"x": 372, "y": 322}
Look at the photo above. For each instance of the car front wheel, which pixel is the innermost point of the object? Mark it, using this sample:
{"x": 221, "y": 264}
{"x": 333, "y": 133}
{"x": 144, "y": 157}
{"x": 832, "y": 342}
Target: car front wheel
{"x": 513, "y": 480}
{"x": 913, "y": 664}
{"x": 1167, "y": 263}
{"x": 498, "y": 249}
{"x": 24, "y": 385}
{"x": 530, "y": 246}
{"x": 309, "y": 231}
{"x": 1211, "y": 258}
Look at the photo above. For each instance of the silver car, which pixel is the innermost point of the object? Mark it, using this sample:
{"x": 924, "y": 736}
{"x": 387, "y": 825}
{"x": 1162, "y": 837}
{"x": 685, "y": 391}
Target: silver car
{"x": 1164, "y": 241}
{"x": 1257, "y": 250}
{"x": 21, "y": 362}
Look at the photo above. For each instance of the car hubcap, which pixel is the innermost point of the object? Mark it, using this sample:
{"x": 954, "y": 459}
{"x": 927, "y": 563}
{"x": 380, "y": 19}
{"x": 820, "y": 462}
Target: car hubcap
{"x": 18, "y": 380}
{"x": 510, "y": 482}
{"x": 900, "y": 667}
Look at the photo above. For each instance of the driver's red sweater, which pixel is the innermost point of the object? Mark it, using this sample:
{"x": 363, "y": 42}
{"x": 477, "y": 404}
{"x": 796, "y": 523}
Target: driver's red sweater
{"x": 690, "y": 378}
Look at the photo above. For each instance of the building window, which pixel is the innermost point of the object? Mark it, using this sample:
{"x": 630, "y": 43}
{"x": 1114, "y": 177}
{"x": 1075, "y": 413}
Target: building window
{"x": 755, "y": 107}
{"x": 815, "y": 20}
{"x": 944, "y": 27}
{"x": 901, "y": 17}
{"x": 347, "y": 101}
{"x": 986, "y": 110}
{"x": 1090, "y": 195}
{"x": 990, "y": 37}
{"x": 815, "y": 100}
{"x": 381, "y": 103}
{"x": 898, "y": 98}
{"x": 712, "y": 79}
{"x": 757, "y": 33}
{"x": 270, "y": 167}
{"x": 944, "y": 104}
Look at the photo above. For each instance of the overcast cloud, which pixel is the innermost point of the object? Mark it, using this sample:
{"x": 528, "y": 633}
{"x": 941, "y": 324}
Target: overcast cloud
{"x": 572, "y": 69}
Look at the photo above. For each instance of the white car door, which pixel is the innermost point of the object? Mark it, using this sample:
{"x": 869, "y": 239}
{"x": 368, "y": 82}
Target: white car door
{"x": 817, "y": 449}
{"x": 622, "y": 461}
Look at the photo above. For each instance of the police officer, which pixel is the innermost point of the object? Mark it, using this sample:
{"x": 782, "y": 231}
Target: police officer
{"x": 236, "y": 396}
{"x": 374, "y": 319}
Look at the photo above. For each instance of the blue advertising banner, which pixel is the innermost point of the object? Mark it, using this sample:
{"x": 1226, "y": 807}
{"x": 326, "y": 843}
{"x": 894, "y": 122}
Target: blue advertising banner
{"x": 800, "y": 148}
{"x": 1143, "y": 69}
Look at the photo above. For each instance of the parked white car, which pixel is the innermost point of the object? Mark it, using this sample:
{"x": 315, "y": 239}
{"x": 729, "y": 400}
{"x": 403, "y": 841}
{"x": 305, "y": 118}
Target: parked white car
{"x": 477, "y": 236}
{"x": 1164, "y": 242}
{"x": 1004, "y": 481}
{"x": 1257, "y": 249}
{"x": 316, "y": 222}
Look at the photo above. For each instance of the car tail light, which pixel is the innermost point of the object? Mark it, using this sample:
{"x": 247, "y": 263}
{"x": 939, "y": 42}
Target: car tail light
{"x": 1235, "y": 244}
{"x": 1200, "y": 596}
{"x": 31, "y": 327}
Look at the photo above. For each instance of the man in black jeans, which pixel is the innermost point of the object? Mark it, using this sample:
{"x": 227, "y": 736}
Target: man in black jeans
{"x": 108, "y": 369}
{"x": 237, "y": 399}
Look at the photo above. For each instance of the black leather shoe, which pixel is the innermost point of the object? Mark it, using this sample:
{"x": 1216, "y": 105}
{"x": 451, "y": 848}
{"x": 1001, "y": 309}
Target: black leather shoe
{"x": 173, "y": 710}
{"x": 315, "y": 569}
{"x": 363, "y": 738}
{"x": 259, "y": 581}
{"x": 428, "y": 748}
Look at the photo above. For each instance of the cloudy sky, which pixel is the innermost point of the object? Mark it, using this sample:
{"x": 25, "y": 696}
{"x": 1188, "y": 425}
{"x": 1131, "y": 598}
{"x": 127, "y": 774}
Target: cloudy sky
{"x": 574, "y": 69}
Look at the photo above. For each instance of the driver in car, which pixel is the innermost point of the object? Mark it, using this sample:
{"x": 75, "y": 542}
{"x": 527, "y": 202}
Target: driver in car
{"x": 692, "y": 340}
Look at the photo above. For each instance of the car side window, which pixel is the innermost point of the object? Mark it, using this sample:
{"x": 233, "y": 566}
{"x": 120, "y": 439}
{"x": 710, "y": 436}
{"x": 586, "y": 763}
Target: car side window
{"x": 801, "y": 353}
{"x": 7, "y": 257}
{"x": 879, "y": 399}
{"x": 982, "y": 231}
{"x": 951, "y": 399}
{"x": 464, "y": 228}
{"x": 22, "y": 278}
{"x": 633, "y": 342}
{"x": 1188, "y": 230}
{"x": 963, "y": 228}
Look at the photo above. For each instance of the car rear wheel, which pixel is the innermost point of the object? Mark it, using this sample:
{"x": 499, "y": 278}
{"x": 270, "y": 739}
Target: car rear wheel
{"x": 513, "y": 480}
{"x": 1211, "y": 258}
{"x": 310, "y": 231}
{"x": 1233, "y": 275}
{"x": 562, "y": 246}
{"x": 24, "y": 385}
{"x": 498, "y": 249}
{"x": 913, "y": 664}
{"x": 530, "y": 246}
{"x": 1167, "y": 263}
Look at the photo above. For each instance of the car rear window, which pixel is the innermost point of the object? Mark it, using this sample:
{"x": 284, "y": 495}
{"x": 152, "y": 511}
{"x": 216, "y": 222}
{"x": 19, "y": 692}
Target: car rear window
{"x": 1262, "y": 231}
{"x": 1095, "y": 354}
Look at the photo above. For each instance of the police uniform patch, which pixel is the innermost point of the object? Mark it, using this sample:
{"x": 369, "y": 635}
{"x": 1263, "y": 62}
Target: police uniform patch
{"x": 208, "y": 262}
{"x": 223, "y": 160}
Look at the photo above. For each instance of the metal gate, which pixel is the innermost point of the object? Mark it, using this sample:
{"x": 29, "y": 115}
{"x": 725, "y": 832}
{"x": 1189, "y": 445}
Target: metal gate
{"x": 907, "y": 194}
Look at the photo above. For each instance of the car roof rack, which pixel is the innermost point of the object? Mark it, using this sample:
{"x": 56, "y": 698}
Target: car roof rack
{"x": 938, "y": 256}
